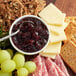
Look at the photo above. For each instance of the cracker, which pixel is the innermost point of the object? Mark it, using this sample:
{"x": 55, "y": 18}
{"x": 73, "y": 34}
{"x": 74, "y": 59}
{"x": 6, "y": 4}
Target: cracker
{"x": 73, "y": 36}
{"x": 9, "y": 11}
{"x": 68, "y": 53}
{"x": 12, "y": 9}
{"x": 4, "y": 17}
{"x": 71, "y": 22}
{"x": 70, "y": 19}
{"x": 33, "y": 6}
{"x": 15, "y": 8}
{"x": 71, "y": 27}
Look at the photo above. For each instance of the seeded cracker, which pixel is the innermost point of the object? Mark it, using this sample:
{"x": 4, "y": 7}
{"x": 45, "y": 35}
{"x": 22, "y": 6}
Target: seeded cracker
{"x": 4, "y": 17}
{"x": 10, "y": 10}
{"x": 68, "y": 51}
{"x": 33, "y": 6}
{"x": 70, "y": 19}
{"x": 70, "y": 29}
{"x": 18, "y": 9}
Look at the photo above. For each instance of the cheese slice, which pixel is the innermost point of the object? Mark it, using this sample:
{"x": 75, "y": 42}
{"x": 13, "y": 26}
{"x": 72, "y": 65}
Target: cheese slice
{"x": 55, "y": 32}
{"x": 58, "y": 28}
{"x": 52, "y": 15}
{"x": 48, "y": 55}
{"x": 53, "y": 48}
{"x": 65, "y": 25}
{"x": 57, "y": 38}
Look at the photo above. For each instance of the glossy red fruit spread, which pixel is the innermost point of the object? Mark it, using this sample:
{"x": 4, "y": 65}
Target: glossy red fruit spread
{"x": 33, "y": 34}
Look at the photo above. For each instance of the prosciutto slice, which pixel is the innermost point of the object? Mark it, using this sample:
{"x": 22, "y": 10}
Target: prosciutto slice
{"x": 61, "y": 65}
{"x": 51, "y": 67}
{"x": 44, "y": 69}
{"x": 38, "y": 62}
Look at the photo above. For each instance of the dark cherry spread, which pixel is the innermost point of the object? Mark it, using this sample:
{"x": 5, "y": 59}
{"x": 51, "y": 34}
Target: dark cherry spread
{"x": 33, "y": 34}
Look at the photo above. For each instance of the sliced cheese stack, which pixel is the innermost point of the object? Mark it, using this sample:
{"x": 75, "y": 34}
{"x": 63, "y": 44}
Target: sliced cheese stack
{"x": 52, "y": 15}
{"x": 52, "y": 50}
{"x": 55, "y": 20}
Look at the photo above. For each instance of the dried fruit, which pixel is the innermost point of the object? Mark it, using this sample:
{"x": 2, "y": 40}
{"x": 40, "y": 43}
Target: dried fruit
{"x": 32, "y": 37}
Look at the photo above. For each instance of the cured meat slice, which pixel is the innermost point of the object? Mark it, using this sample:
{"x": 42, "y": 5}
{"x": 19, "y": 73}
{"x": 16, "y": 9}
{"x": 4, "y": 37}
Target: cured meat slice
{"x": 61, "y": 65}
{"x": 44, "y": 69}
{"x": 38, "y": 62}
{"x": 59, "y": 70}
{"x": 51, "y": 67}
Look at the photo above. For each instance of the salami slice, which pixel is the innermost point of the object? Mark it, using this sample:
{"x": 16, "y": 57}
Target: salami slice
{"x": 61, "y": 65}
{"x": 38, "y": 62}
{"x": 51, "y": 67}
{"x": 59, "y": 70}
{"x": 44, "y": 69}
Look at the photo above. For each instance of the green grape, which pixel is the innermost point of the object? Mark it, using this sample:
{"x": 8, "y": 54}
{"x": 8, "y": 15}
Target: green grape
{"x": 5, "y": 74}
{"x": 8, "y": 66}
{"x": 4, "y": 55}
{"x": 18, "y": 53}
{"x": 30, "y": 66}
{"x": 22, "y": 72}
{"x": 10, "y": 51}
{"x": 19, "y": 60}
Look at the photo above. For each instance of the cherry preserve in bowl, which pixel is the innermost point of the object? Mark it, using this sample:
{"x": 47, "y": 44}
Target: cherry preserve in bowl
{"x": 33, "y": 36}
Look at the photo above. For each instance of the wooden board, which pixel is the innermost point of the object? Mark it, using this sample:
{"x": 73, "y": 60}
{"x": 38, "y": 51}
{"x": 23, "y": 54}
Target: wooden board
{"x": 68, "y": 7}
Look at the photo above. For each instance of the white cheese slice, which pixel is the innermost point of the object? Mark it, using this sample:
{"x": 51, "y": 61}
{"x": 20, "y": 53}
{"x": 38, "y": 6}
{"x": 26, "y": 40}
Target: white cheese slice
{"x": 65, "y": 25}
{"x": 53, "y": 48}
{"x": 52, "y": 15}
{"x": 48, "y": 55}
{"x": 55, "y": 32}
{"x": 56, "y": 29}
{"x": 57, "y": 38}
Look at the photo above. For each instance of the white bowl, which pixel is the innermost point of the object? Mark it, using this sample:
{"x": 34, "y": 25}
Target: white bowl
{"x": 21, "y": 51}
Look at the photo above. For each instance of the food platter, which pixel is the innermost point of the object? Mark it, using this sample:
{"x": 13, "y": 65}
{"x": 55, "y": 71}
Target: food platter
{"x": 59, "y": 5}
{"x": 31, "y": 57}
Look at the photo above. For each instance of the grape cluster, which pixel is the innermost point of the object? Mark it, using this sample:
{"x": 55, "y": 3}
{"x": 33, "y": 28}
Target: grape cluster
{"x": 10, "y": 63}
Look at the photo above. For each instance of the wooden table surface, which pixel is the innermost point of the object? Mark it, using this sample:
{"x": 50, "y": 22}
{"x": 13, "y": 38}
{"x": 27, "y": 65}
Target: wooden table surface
{"x": 68, "y": 7}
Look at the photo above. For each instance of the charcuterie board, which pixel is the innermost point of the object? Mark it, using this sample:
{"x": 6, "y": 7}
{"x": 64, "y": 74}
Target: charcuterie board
{"x": 50, "y": 38}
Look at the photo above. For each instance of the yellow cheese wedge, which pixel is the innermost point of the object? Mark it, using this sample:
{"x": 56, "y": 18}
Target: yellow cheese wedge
{"x": 53, "y": 48}
{"x": 57, "y": 38}
{"x": 52, "y": 15}
{"x": 48, "y": 55}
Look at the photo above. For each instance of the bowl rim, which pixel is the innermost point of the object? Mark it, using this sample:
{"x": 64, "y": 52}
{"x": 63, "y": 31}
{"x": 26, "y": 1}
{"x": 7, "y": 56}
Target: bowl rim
{"x": 21, "y": 51}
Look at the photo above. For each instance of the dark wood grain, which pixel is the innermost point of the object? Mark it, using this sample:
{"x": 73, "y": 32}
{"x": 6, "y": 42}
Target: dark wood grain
{"x": 49, "y": 1}
{"x": 68, "y": 7}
